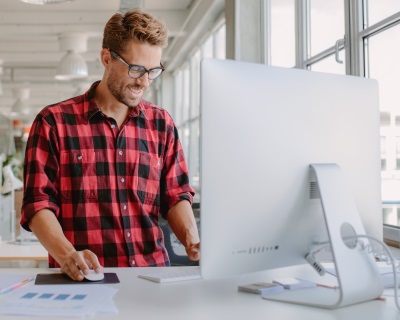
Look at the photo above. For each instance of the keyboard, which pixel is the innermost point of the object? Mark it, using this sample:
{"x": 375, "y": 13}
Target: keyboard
{"x": 172, "y": 275}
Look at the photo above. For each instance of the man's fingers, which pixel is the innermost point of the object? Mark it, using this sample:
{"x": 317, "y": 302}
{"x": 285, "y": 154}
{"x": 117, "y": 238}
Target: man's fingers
{"x": 194, "y": 252}
{"x": 79, "y": 264}
{"x": 71, "y": 269}
{"x": 92, "y": 261}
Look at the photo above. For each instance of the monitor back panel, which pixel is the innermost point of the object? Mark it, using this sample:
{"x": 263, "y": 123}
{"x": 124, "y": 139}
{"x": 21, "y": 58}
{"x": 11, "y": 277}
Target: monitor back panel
{"x": 261, "y": 127}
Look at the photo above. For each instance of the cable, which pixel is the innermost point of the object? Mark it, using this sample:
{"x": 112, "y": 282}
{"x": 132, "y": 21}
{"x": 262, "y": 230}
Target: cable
{"x": 389, "y": 259}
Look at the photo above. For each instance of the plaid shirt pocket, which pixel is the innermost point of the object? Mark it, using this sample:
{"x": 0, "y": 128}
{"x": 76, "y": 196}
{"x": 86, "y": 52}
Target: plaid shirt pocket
{"x": 149, "y": 175}
{"x": 78, "y": 175}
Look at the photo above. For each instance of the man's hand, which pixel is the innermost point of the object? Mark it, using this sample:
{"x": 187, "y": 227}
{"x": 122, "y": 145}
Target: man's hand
{"x": 183, "y": 224}
{"x": 48, "y": 230}
{"x": 193, "y": 252}
{"x": 80, "y": 261}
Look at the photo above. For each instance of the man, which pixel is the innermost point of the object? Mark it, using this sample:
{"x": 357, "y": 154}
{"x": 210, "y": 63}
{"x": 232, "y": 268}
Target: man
{"x": 100, "y": 168}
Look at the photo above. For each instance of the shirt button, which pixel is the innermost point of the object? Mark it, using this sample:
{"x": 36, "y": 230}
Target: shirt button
{"x": 80, "y": 157}
{"x": 124, "y": 207}
{"x": 122, "y": 180}
{"x": 121, "y": 153}
{"x": 128, "y": 234}
{"x": 113, "y": 126}
{"x": 132, "y": 262}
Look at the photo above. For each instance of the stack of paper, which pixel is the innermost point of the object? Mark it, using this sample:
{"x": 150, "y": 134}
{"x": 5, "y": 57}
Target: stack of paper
{"x": 59, "y": 300}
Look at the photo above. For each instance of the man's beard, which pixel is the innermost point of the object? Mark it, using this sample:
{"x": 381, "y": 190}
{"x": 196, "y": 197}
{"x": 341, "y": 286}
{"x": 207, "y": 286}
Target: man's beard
{"x": 119, "y": 91}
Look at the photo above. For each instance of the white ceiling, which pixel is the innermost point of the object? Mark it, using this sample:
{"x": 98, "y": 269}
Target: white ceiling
{"x": 30, "y": 48}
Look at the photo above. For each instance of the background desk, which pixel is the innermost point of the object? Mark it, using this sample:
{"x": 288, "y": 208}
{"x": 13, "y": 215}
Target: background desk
{"x": 218, "y": 299}
{"x": 33, "y": 252}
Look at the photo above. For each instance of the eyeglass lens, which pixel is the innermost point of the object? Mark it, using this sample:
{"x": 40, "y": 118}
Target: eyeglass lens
{"x": 139, "y": 71}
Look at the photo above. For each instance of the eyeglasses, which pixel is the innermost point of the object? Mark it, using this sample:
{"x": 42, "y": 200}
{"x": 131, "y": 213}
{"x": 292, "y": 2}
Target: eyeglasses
{"x": 136, "y": 71}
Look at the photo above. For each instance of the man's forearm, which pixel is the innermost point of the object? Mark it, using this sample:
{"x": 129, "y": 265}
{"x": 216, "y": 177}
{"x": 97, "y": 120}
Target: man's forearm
{"x": 48, "y": 230}
{"x": 183, "y": 224}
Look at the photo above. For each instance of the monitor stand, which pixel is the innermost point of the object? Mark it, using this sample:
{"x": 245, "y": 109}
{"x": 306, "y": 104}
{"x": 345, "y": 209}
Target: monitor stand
{"x": 358, "y": 277}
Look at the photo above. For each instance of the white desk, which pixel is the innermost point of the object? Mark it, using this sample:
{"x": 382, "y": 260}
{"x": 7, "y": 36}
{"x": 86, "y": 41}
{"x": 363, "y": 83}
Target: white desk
{"x": 218, "y": 299}
{"x": 34, "y": 252}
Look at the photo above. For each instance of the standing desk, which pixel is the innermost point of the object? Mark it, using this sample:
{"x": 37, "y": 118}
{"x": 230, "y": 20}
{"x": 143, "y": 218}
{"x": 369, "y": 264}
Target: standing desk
{"x": 33, "y": 252}
{"x": 218, "y": 299}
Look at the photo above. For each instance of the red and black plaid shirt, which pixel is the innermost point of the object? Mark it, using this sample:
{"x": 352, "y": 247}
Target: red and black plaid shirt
{"x": 106, "y": 186}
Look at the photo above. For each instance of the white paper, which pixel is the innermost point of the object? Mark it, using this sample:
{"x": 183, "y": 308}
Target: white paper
{"x": 60, "y": 300}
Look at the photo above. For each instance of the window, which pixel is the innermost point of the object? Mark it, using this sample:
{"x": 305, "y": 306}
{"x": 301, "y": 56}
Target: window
{"x": 381, "y": 23}
{"x": 397, "y": 153}
{"x": 383, "y": 153}
{"x": 355, "y": 37}
{"x": 378, "y": 10}
{"x": 325, "y": 28}
{"x": 385, "y": 119}
{"x": 329, "y": 64}
{"x": 326, "y": 24}
{"x": 283, "y": 51}
{"x": 187, "y": 99}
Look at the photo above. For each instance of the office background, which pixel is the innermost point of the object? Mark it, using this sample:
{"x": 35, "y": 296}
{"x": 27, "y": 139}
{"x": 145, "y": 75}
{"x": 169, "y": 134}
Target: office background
{"x": 354, "y": 37}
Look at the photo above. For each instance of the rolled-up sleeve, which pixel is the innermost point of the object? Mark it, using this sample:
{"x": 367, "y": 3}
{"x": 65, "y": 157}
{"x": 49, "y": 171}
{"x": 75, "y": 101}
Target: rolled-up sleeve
{"x": 175, "y": 185}
{"x": 41, "y": 170}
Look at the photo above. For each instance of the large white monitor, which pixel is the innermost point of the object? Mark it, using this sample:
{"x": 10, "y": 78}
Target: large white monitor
{"x": 261, "y": 129}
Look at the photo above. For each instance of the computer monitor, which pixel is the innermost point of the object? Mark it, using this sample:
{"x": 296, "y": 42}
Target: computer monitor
{"x": 261, "y": 129}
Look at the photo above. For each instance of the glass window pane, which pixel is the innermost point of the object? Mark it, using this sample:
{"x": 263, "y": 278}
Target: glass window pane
{"x": 330, "y": 65}
{"x": 184, "y": 135}
{"x": 283, "y": 33}
{"x": 220, "y": 43}
{"x": 385, "y": 119}
{"x": 384, "y": 65}
{"x": 397, "y": 153}
{"x": 326, "y": 24}
{"x": 178, "y": 105}
{"x": 186, "y": 94}
{"x": 194, "y": 163}
{"x": 381, "y": 9}
{"x": 383, "y": 153}
{"x": 207, "y": 48}
{"x": 388, "y": 216}
{"x": 195, "y": 87}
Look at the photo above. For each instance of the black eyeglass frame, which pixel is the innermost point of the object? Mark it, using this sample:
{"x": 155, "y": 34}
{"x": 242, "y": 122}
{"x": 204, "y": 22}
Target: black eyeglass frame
{"x": 143, "y": 70}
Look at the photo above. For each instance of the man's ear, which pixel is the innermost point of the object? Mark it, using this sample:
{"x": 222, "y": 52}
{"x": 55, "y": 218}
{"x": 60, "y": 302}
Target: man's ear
{"x": 105, "y": 56}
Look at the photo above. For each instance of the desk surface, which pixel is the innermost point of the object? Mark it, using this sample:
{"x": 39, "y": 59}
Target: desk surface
{"x": 219, "y": 299}
{"x": 10, "y": 251}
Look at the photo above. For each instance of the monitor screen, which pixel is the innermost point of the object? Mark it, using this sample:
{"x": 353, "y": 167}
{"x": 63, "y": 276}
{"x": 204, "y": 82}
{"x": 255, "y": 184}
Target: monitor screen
{"x": 261, "y": 128}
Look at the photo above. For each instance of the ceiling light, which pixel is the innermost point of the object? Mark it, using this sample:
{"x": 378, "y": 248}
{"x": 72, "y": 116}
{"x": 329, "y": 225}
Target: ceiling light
{"x": 20, "y": 107}
{"x": 41, "y": 2}
{"x": 72, "y": 66}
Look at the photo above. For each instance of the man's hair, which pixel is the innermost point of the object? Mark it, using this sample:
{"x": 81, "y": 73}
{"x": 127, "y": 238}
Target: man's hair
{"x": 134, "y": 25}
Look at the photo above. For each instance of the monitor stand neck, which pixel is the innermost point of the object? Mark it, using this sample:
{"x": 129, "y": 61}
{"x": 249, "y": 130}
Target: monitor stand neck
{"x": 357, "y": 273}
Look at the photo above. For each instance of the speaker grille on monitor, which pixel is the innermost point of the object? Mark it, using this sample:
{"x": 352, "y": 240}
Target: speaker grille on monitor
{"x": 314, "y": 190}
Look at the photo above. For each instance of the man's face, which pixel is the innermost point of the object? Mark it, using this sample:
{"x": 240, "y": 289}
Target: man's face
{"x": 125, "y": 89}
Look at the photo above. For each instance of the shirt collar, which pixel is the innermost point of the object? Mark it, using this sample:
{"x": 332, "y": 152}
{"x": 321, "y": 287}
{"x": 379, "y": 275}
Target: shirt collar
{"x": 93, "y": 108}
